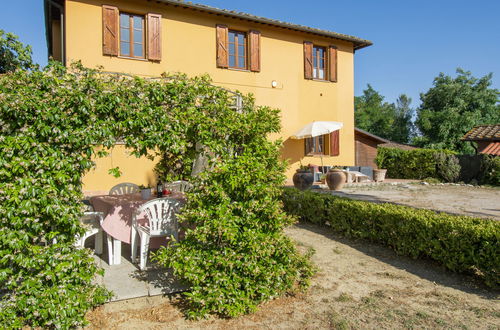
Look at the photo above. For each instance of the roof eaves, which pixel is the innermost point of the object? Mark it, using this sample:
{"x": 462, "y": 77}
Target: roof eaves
{"x": 358, "y": 42}
{"x": 363, "y": 132}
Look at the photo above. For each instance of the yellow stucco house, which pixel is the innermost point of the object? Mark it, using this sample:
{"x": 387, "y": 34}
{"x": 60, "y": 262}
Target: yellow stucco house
{"x": 306, "y": 72}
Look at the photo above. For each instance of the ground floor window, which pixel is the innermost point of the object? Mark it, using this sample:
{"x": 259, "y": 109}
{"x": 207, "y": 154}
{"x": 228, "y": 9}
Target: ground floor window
{"x": 315, "y": 145}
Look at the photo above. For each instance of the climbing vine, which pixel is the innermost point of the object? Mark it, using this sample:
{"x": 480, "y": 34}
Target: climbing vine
{"x": 235, "y": 254}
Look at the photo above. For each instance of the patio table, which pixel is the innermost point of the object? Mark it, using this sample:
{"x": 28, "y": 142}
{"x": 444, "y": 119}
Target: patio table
{"x": 117, "y": 223}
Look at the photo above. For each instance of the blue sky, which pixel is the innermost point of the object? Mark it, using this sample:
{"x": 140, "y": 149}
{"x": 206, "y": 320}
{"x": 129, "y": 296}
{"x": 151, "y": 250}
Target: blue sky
{"x": 413, "y": 40}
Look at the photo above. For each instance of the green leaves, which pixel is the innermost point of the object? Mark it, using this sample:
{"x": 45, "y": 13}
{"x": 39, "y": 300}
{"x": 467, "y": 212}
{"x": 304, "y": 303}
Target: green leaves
{"x": 53, "y": 122}
{"x": 410, "y": 164}
{"x": 462, "y": 244}
{"x": 452, "y": 107}
{"x": 13, "y": 53}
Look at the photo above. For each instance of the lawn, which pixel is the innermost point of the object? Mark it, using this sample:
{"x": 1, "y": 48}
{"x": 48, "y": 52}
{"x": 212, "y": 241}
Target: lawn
{"x": 358, "y": 285}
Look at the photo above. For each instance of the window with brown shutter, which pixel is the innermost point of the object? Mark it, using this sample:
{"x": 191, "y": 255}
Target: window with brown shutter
{"x": 238, "y": 49}
{"x": 110, "y": 30}
{"x": 320, "y": 62}
{"x": 308, "y": 60}
{"x": 131, "y": 35}
{"x": 154, "y": 37}
{"x": 315, "y": 145}
{"x": 332, "y": 63}
{"x": 254, "y": 40}
{"x": 335, "y": 143}
{"x": 222, "y": 56}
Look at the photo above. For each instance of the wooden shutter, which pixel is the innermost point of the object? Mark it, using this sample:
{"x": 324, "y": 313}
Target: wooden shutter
{"x": 308, "y": 60}
{"x": 332, "y": 63}
{"x": 222, "y": 52}
{"x": 334, "y": 143}
{"x": 254, "y": 45}
{"x": 154, "y": 37}
{"x": 110, "y": 27}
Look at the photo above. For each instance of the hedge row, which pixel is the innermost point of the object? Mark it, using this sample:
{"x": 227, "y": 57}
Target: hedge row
{"x": 409, "y": 164}
{"x": 444, "y": 165}
{"x": 460, "y": 243}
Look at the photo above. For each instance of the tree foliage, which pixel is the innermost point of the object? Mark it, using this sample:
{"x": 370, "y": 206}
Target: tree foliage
{"x": 13, "y": 53}
{"x": 387, "y": 120}
{"x": 50, "y": 123}
{"x": 453, "y": 106}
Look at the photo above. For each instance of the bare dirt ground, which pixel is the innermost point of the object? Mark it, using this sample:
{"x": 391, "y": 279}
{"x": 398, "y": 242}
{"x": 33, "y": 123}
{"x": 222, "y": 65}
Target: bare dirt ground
{"x": 358, "y": 285}
{"x": 468, "y": 200}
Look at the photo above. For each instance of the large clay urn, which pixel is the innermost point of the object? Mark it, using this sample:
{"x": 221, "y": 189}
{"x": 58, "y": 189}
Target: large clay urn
{"x": 335, "y": 179}
{"x": 303, "y": 179}
{"x": 379, "y": 175}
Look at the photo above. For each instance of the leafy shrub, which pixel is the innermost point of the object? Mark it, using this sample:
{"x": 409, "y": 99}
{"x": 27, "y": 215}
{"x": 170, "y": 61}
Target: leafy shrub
{"x": 490, "y": 170}
{"x": 409, "y": 164}
{"x": 447, "y": 166}
{"x": 50, "y": 124}
{"x": 237, "y": 255}
{"x": 460, "y": 243}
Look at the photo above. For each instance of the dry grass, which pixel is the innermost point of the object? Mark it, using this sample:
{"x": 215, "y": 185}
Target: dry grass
{"x": 359, "y": 285}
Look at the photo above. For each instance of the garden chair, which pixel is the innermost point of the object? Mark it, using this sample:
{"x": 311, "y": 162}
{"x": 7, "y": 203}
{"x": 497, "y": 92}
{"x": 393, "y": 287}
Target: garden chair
{"x": 91, "y": 221}
{"x": 162, "y": 222}
{"x": 124, "y": 189}
{"x": 178, "y": 186}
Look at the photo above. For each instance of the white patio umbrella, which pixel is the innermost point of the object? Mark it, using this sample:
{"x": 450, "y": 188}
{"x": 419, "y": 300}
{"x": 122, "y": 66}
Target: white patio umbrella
{"x": 317, "y": 128}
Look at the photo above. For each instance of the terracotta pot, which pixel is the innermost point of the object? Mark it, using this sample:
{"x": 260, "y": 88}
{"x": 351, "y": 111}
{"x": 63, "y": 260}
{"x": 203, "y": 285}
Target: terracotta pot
{"x": 303, "y": 179}
{"x": 379, "y": 175}
{"x": 335, "y": 179}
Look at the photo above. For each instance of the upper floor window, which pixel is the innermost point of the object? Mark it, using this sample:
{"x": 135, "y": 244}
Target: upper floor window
{"x": 237, "y": 50}
{"x": 320, "y": 62}
{"x": 132, "y": 35}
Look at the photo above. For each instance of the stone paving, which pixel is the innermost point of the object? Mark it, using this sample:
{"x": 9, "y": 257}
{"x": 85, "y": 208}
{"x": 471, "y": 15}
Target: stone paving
{"x": 127, "y": 281}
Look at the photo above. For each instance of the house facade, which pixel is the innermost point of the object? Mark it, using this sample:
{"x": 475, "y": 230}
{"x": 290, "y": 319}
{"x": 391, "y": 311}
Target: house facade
{"x": 305, "y": 72}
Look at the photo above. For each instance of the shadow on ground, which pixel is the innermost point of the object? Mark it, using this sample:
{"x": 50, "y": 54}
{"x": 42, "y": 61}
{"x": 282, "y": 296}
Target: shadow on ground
{"x": 423, "y": 268}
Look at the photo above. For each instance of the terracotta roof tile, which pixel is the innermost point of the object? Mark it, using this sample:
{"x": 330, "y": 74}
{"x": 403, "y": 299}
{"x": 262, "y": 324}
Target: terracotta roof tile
{"x": 483, "y": 133}
{"x": 492, "y": 149}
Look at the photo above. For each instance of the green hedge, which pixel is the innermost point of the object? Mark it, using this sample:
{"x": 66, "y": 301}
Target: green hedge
{"x": 460, "y": 243}
{"x": 409, "y": 164}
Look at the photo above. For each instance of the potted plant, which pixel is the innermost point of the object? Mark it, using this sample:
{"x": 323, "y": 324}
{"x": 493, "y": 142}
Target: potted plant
{"x": 145, "y": 191}
{"x": 335, "y": 178}
{"x": 322, "y": 178}
{"x": 304, "y": 178}
{"x": 379, "y": 174}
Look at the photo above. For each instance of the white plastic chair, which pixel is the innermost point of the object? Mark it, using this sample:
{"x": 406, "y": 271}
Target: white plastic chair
{"x": 91, "y": 221}
{"x": 124, "y": 189}
{"x": 162, "y": 222}
{"x": 178, "y": 186}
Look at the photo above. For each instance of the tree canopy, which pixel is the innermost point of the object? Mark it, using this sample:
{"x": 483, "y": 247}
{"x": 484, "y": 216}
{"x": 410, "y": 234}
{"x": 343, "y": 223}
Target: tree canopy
{"x": 388, "y": 120}
{"x": 13, "y": 53}
{"x": 452, "y": 107}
